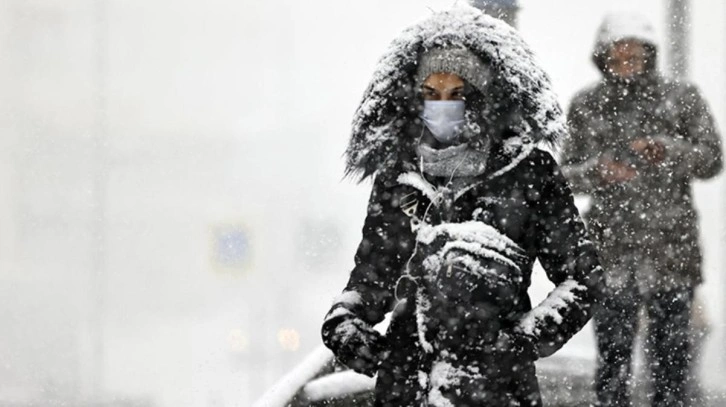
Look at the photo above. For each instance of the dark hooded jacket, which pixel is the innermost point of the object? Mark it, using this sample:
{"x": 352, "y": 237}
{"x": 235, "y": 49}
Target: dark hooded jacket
{"x": 646, "y": 228}
{"x": 452, "y": 258}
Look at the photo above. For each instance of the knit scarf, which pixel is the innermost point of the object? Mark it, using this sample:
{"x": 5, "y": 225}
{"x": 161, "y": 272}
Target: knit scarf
{"x": 452, "y": 162}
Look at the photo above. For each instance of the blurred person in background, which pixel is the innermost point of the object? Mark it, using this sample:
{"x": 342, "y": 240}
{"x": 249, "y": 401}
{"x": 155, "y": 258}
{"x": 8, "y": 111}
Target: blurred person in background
{"x": 463, "y": 203}
{"x": 637, "y": 142}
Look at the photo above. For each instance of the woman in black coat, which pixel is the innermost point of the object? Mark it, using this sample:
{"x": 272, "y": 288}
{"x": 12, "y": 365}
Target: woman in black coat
{"x": 463, "y": 203}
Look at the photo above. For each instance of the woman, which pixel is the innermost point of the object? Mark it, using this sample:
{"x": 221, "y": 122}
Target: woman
{"x": 463, "y": 203}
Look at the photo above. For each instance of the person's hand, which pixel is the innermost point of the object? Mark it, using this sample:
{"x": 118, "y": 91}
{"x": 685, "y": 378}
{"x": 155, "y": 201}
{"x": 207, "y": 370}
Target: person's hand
{"x": 363, "y": 349}
{"x": 615, "y": 172}
{"x": 510, "y": 352}
{"x": 652, "y": 150}
{"x": 516, "y": 345}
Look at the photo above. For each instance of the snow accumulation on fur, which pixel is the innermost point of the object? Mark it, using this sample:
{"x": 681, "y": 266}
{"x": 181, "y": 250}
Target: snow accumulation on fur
{"x": 377, "y": 124}
{"x": 559, "y": 299}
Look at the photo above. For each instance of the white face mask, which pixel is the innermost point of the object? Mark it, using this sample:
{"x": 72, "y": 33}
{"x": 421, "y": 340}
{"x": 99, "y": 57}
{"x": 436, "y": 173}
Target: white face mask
{"x": 444, "y": 118}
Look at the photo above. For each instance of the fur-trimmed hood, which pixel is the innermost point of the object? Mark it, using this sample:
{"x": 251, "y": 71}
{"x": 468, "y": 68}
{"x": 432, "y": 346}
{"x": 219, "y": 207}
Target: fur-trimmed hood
{"x": 381, "y": 138}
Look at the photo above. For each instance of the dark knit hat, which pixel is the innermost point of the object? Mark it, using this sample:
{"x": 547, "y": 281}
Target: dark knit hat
{"x": 459, "y": 61}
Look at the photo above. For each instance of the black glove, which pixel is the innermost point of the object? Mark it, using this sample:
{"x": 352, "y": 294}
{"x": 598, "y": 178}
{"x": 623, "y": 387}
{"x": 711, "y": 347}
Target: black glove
{"x": 357, "y": 345}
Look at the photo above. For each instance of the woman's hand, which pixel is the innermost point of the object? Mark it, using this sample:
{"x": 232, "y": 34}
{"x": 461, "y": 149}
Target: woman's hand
{"x": 615, "y": 172}
{"x": 362, "y": 348}
{"x": 516, "y": 345}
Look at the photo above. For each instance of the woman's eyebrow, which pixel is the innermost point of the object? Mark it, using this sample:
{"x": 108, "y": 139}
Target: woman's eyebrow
{"x": 426, "y": 87}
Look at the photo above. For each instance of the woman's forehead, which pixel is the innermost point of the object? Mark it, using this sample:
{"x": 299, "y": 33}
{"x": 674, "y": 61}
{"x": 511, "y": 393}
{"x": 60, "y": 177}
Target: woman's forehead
{"x": 444, "y": 79}
{"x": 628, "y": 45}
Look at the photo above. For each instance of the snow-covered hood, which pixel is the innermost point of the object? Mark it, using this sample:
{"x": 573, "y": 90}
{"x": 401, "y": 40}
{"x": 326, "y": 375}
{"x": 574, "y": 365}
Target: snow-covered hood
{"x": 624, "y": 26}
{"x": 379, "y": 139}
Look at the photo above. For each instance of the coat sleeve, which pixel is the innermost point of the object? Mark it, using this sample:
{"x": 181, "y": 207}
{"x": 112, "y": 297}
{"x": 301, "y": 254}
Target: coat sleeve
{"x": 580, "y": 152}
{"x": 369, "y": 293}
{"x": 695, "y": 152}
{"x": 570, "y": 260}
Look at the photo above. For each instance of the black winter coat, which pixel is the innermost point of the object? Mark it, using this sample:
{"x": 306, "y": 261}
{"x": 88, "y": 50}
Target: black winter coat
{"x": 452, "y": 258}
{"x": 532, "y": 207}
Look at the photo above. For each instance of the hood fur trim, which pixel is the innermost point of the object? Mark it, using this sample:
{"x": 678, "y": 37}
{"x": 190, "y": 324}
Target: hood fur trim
{"x": 379, "y": 140}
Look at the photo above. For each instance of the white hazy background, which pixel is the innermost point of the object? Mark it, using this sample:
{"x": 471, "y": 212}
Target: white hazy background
{"x": 136, "y": 136}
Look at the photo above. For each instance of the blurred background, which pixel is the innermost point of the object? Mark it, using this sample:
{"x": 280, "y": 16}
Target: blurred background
{"x": 173, "y": 218}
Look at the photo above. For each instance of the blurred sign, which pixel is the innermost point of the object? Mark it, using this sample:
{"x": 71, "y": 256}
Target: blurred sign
{"x": 289, "y": 339}
{"x": 231, "y": 249}
{"x": 237, "y": 341}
